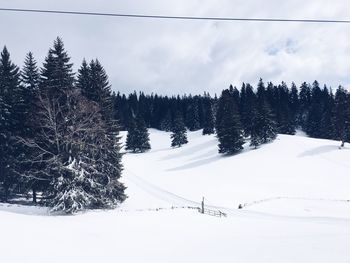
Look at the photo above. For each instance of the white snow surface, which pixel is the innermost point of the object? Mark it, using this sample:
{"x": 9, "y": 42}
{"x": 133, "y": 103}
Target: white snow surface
{"x": 295, "y": 192}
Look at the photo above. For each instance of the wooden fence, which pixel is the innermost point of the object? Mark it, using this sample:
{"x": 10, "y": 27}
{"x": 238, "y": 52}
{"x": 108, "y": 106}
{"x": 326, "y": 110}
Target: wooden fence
{"x": 211, "y": 212}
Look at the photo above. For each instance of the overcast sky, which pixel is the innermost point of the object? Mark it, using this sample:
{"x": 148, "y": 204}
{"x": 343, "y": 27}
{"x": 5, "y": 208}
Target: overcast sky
{"x": 170, "y": 57}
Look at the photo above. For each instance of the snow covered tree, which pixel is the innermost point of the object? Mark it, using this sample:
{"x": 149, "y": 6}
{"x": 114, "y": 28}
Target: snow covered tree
{"x": 79, "y": 161}
{"x": 263, "y": 129}
{"x": 228, "y": 126}
{"x": 137, "y": 139}
{"x": 179, "y": 133}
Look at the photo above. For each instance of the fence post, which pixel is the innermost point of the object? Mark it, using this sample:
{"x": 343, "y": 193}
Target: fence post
{"x": 202, "y": 206}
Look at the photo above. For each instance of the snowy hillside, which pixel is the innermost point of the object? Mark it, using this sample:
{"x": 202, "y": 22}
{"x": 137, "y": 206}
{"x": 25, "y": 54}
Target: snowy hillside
{"x": 289, "y": 169}
{"x": 294, "y": 193}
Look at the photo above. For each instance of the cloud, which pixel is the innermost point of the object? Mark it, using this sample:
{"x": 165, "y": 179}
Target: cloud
{"x": 171, "y": 57}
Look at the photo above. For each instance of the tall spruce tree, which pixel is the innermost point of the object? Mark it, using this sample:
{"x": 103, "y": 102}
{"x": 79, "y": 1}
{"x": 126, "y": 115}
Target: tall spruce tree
{"x": 30, "y": 78}
{"x": 263, "y": 129}
{"x": 294, "y": 104}
{"x": 55, "y": 85}
{"x": 30, "y": 74}
{"x": 57, "y": 75}
{"x": 313, "y": 127}
{"x": 84, "y": 81}
{"x": 326, "y": 125}
{"x": 10, "y": 122}
{"x": 101, "y": 89}
{"x": 341, "y": 119}
{"x": 228, "y": 126}
{"x": 284, "y": 114}
{"x": 208, "y": 117}
{"x": 93, "y": 82}
{"x": 247, "y": 105}
{"x": 192, "y": 115}
{"x": 304, "y": 105}
{"x": 179, "y": 133}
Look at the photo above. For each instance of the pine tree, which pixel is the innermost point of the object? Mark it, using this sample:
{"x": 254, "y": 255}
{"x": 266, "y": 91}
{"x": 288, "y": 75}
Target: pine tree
{"x": 263, "y": 129}
{"x": 30, "y": 78}
{"x": 284, "y": 115}
{"x": 304, "y": 103}
{"x": 166, "y": 123}
{"x": 131, "y": 143}
{"x": 315, "y": 112}
{"x": 84, "y": 82}
{"x": 143, "y": 134}
{"x": 56, "y": 75}
{"x": 101, "y": 89}
{"x": 341, "y": 119}
{"x": 192, "y": 116}
{"x": 208, "y": 117}
{"x": 179, "y": 133}
{"x": 137, "y": 139}
{"x": 247, "y": 105}
{"x": 10, "y": 121}
{"x": 326, "y": 126}
{"x": 228, "y": 126}
{"x": 94, "y": 85}
{"x": 294, "y": 104}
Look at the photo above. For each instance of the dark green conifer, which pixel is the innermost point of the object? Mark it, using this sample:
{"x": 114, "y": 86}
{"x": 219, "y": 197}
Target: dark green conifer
{"x": 179, "y": 133}
{"x": 228, "y": 126}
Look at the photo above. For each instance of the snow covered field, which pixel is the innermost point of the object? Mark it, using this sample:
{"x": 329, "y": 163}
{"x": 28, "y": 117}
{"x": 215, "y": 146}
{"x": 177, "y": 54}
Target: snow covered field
{"x": 294, "y": 191}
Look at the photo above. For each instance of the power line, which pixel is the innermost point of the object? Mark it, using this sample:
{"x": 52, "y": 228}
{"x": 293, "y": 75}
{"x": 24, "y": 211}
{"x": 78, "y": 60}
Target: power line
{"x": 175, "y": 17}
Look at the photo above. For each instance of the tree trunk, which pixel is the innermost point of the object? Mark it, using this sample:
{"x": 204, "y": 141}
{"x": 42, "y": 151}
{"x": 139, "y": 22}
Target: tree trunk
{"x": 34, "y": 195}
{"x": 6, "y": 193}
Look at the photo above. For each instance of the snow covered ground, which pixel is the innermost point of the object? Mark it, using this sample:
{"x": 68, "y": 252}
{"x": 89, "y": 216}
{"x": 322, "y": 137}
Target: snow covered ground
{"x": 294, "y": 191}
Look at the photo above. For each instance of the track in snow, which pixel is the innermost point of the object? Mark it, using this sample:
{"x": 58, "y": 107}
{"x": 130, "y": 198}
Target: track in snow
{"x": 178, "y": 202}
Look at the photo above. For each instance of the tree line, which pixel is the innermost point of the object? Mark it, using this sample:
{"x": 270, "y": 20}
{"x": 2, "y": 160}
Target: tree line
{"x": 254, "y": 114}
{"x": 59, "y": 131}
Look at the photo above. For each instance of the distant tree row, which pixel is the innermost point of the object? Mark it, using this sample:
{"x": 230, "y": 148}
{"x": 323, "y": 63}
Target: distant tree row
{"x": 259, "y": 112}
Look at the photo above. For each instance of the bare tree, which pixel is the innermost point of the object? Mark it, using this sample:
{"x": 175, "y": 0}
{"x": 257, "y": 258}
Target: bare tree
{"x": 74, "y": 154}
